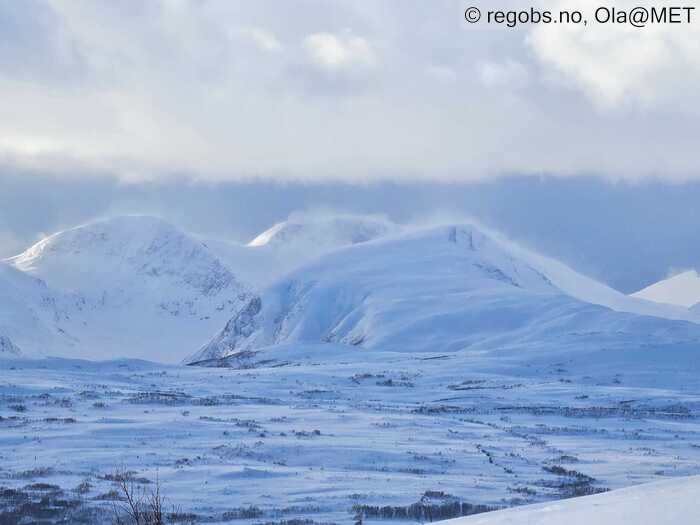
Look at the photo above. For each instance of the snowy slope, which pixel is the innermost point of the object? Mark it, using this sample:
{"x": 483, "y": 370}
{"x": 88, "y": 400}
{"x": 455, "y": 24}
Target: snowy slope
{"x": 682, "y": 289}
{"x": 139, "y": 288}
{"x": 445, "y": 289}
{"x": 30, "y": 313}
{"x": 673, "y": 502}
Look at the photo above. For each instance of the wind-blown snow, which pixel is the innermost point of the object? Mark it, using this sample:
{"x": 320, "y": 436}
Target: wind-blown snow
{"x": 324, "y": 231}
{"x": 288, "y": 245}
{"x": 673, "y": 502}
{"x": 682, "y": 289}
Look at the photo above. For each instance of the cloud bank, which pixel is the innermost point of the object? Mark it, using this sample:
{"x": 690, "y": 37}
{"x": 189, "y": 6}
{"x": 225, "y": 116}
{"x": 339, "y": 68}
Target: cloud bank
{"x": 352, "y": 91}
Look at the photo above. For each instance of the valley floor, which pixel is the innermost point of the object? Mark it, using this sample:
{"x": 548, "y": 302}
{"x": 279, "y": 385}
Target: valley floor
{"x": 321, "y": 430}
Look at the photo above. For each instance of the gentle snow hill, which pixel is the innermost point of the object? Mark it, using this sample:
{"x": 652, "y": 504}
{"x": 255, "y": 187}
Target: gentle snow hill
{"x": 290, "y": 244}
{"x": 682, "y": 289}
{"x": 673, "y": 502}
{"x": 138, "y": 287}
{"x": 446, "y": 289}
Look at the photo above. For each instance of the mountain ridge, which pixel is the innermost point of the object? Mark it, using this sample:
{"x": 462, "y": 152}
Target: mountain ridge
{"x": 447, "y": 288}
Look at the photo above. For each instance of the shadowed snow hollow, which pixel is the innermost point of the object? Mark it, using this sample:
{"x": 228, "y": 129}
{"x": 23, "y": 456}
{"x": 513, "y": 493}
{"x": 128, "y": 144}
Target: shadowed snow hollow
{"x": 443, "y": 290}
{"x": 139, "y": 288}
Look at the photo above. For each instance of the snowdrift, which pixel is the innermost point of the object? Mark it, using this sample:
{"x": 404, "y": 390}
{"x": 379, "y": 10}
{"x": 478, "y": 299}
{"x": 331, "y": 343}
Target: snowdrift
{"x": 673, "y": 502}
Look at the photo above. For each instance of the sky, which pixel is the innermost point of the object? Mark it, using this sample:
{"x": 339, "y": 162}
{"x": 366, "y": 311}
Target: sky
{"x": 344, "y": 90}
{"x": 225, "y": 116}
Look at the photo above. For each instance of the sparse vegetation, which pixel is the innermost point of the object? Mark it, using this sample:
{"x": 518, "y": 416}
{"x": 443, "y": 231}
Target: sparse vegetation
{"x": 136, "y": 505}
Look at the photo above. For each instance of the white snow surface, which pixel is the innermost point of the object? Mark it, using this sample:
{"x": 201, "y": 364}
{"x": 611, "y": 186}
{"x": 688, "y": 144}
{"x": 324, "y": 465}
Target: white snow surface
{"x": 130, "y": 286}
{"x": 29, "y": 311}
{"x": 672, "y": 502}
{"x": 682, "y": 289}
{"x": 307, "y": 431}
{"x": 446, "y": 289}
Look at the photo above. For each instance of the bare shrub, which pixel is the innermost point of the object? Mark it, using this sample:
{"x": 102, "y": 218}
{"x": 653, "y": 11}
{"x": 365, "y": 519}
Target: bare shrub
{"x": 137, "y": 506}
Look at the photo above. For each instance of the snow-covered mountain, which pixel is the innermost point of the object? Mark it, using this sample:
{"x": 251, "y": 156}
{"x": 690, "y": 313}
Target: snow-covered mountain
{"x": 446, "y": 289}
{"x": 136, "y": 286}
{"x": 129, "y": 286}
{"x": 682, "y": 289}
{"x": 290, "y": 244}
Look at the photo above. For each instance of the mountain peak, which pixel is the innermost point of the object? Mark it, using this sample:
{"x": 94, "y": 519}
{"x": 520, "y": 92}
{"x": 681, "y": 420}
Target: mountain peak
{"x": 327, "y": 231}
{"x": 682, "y": 289}
{"x": 120, "y": 249}
{"x": 130, "y": 285}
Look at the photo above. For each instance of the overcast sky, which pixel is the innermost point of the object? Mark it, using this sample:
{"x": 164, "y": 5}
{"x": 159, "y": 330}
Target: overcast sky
{"x": 225, "y": 116}
{"x": 319, "y": 89}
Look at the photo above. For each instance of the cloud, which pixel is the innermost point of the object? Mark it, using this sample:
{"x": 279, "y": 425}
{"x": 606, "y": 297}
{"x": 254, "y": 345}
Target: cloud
{"x": 508, "y": 73}
{"x": 352, "y": 91}
{"x": 616, "y": 63}
{"x": 263, "y": 39}
{"x": 334, "y": 51}
{"x": 442, "y": 74}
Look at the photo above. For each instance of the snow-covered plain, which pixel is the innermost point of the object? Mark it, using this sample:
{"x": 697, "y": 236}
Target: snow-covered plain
{"x": 402, "y": 374}
{"x": 325, "y": 427}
